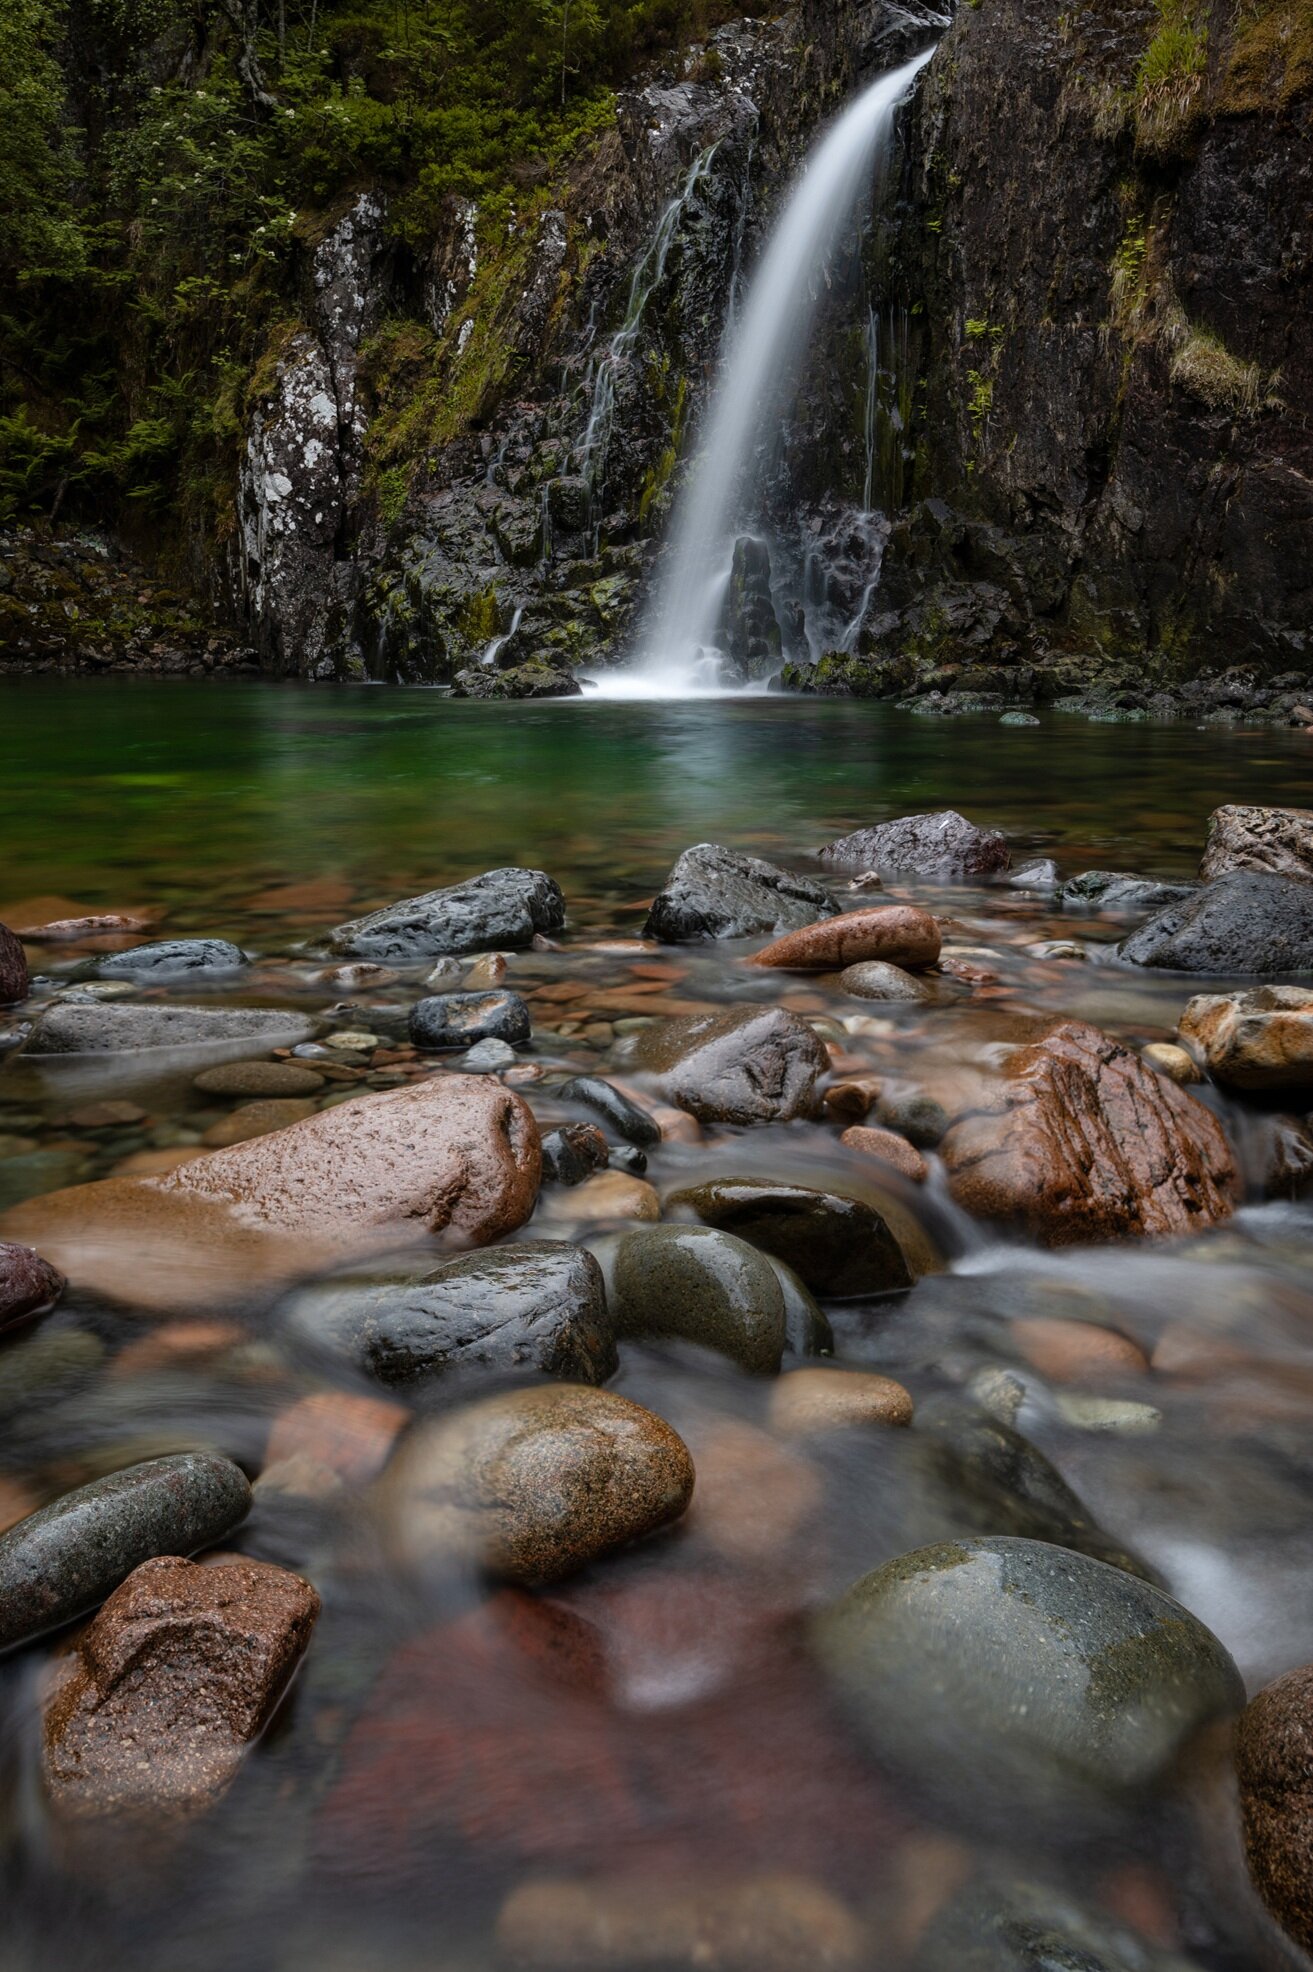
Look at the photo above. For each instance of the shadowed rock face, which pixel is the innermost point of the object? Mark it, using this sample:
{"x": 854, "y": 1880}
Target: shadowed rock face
{"x": 13, "y": 968}
{"x": 536, "y": 1305}
{"x": 1245, "y": 922}
{"x": 1108, "y": 482}
{"x": 719, "y": 893}
{"x": 457, "y": 1156}
{"x": 1084, "y": 1142}
{"x": 179, "y": 1672}
{"x": 752, "y": 1065}
{"x": 836, "y": 1245}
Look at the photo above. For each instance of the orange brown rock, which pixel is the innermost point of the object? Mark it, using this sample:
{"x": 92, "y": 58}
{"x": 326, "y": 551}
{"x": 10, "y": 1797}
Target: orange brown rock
{"x": 898, "y": 933}
{"x": 181, "y": 1669}
{"x": 889, "y": 1147}
{"x": 456, "y": 1156}
{"x": 1074, "y": 1351}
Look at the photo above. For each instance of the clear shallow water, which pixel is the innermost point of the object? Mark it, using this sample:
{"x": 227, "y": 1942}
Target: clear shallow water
{"x": 424, "y": 1770}
{"x": 198, "y": 790}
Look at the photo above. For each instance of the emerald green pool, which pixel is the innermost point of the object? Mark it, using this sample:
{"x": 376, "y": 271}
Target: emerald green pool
{"x": 188, "y": 794}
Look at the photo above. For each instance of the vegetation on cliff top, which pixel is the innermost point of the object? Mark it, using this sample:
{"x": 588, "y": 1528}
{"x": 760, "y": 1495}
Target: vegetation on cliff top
{"x": 164, "y": 164}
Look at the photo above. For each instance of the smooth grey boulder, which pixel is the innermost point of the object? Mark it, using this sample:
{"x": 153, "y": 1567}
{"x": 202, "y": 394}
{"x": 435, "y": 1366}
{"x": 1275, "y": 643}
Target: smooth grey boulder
{"x": 747, "y": 1065}
{"x": 500, "y": 908}
{"x": 945, "y": 844}
{"x": 454, "y": 1020}
{"x": 539, "y": 1305}
{"x": 614, "y": 1107}
{"x": 66, "y": 1558}
{"x": 1011, "y": 1676}
{"x": 1043, "y": 875}
{"x": 1121, "y": 891}
{"x": 713, "y": 892}
{"x": 704, "y": 1286}
{"x": 1244, "y": 923}
{"x": 116, "y": 1026}
{"x": 173, "y": 958}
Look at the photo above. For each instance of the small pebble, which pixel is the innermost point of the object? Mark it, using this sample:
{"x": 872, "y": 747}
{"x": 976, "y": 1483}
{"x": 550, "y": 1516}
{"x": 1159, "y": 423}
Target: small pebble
{"x": 1172, "y": 1061}
{"x": 487, "y": 1056}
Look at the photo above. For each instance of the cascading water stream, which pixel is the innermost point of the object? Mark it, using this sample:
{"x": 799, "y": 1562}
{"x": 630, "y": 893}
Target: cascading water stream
{"x": 764, "y": 350}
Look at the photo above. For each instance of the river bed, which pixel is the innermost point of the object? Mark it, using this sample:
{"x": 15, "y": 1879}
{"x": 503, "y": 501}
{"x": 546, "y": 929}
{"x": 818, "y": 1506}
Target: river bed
{"x": 458, "y": 1770}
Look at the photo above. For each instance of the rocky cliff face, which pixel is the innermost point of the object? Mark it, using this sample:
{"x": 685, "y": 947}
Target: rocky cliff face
{"x": 1107, "y": 231}
{"x": 490, "y": 473}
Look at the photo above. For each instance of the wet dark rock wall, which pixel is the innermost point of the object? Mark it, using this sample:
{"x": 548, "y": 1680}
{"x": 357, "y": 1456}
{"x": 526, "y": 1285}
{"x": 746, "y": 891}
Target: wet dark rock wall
{"x": 1113, "y": 444}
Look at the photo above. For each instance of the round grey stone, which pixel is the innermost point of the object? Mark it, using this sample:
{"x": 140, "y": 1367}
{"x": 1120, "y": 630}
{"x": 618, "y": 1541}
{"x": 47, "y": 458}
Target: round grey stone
{"x": 1011, "y": 1674}
{"x": 705, "y": 1286}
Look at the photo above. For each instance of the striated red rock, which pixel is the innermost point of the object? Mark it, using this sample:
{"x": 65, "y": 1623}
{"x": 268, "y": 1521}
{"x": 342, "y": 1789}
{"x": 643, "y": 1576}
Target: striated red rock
{"x": 178, "y": 1673}
{"x": 504, "y": 1728}
{"x": 29, "y": 1285}
{"x": 1081, "y": 1141}
{"x": 457, "y": 1156}
{"x": 1274, "y": 1765}
{"x": 13, "y": 968}
{"x": 896, "y": 933}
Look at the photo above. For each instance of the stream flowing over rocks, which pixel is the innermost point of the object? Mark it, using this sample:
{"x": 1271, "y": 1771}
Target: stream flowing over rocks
{"x": 777, "y": 1440}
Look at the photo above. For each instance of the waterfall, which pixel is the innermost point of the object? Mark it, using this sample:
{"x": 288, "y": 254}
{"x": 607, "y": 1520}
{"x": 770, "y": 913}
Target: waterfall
{"x": 765, "y": 349}
{"x": 647, "y": 278}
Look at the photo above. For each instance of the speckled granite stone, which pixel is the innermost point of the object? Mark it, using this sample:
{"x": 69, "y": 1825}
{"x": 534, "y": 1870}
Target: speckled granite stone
{"x": 68, "y": 1557}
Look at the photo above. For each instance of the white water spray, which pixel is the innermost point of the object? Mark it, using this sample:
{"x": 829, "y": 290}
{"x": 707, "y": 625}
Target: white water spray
{"x": 766, "y": 347}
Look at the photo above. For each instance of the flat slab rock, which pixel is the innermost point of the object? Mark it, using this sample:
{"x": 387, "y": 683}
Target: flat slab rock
{"x": 945, "y": 844}
{"x": 712, "y": 892}
{"x": 181, "y": 1670}
{"x": 456, "y": 1156}
{"x": 1278, "y": 840}
{"x": 113, "y": 1027}
{"x": 1247, "y": 922}
{"x": 1084, "y": 1142}
{"x": 173, "y": 958}
{"x": 66, "y": 1558}
{"x": 501, "y": 908}
{"x": 748, "y": 1065}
